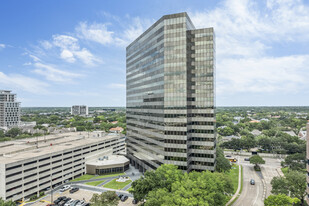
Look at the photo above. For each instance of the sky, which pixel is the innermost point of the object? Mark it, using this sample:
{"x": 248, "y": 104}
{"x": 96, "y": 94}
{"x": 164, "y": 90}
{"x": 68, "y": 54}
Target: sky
{"x": 61, "y": 53}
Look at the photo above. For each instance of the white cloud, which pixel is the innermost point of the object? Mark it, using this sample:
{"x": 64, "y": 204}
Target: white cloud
{"x": 266, "y": 74}
{"x": 68, "y": 56}
{"x": 27, "y": 64}
{"x": 53, "y": 74}
{"x": 246, "y": 34}
{"x": 117, "y": 86}
{"x": 95, "y": 32}
{"x": 242, "y": 25}
{"x": 34, "y": 58}
{"x": 46, "y": 44}
{"x": 16, "y": 81}
{"x": 2, "y": 46}
{"x": 69, "y": 49}
{"x": 98, "y": 32}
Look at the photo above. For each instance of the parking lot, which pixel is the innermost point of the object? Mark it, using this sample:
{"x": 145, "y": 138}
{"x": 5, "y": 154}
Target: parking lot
{"x": 79, "y": 195}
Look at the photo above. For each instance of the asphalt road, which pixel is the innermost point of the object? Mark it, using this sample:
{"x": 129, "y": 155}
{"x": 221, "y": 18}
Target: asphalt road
{"x": 253, "y": 194}
{"x": 269, "y": 170}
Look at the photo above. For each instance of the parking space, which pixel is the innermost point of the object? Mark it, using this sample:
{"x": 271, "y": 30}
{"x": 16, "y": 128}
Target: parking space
{"x": 79, "y": 195}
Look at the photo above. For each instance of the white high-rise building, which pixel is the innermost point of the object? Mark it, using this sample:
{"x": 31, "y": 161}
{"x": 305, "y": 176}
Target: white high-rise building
{"x": 9, "y": 109}
{"x": 79, "y": 110}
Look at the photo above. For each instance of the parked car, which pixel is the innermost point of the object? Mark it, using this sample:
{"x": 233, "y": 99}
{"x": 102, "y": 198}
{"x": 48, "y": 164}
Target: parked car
{"x": 74, "y": 203}
{"x": 64, "y": 188}
{"x": 252, "y": 182}
{"x": 124, "y": 198}
{"x": 75, "y": 189}
{"x": 80, "y": 203}
{"x": 247, "y": 159}
{"x": 86, "y": 204}
{"x": 120, "y": 196}
{"x": 69, "y": 202}
{"x": 57, "y": 201}
{"x": 228, "y": 156}
{"x": 135, "y": 201}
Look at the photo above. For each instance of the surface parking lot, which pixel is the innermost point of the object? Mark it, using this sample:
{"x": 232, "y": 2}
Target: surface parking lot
{"x": 79, "y": 195}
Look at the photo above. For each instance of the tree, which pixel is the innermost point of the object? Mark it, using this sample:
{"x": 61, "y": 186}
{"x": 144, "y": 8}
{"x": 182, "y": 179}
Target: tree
{"x": 256, "y": 159}
{"x": 2, "y": 135}
{"x": 170, "y": 186}
{"x": 223, "y": 164}
{"x": 248, "y": 142}
{"x": 195, "y": 189}
{"x": 295, "y": 161}
{"x": 280, "y": 200}
{"x": 14, "y": 132}
{"x": 163, "y": 177}
{"x": 6, "y": 203}
{"x": 109, "y": 198}
{"x": 293, "y": 184}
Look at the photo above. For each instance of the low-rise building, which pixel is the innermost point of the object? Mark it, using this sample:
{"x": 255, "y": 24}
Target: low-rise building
{"x": 28, "y": 167}
{"x": 107, "y": 164}
{"x": 116, "y": 130}
{"x": 290, "y": 133}
{"x": 256, "y": 132}
{"x": 229, "y": 138}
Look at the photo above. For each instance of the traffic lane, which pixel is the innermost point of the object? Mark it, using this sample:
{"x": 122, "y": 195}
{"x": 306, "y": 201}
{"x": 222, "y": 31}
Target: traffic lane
{"x": 251, "y": 194}
{"x": 269, "y": 173}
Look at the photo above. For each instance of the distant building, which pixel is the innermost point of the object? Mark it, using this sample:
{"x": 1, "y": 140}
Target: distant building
{"x": 256, "y": 132}
{"x": 302, "y": 135}
{"x": 114, "y": 122}
{"x": 229, "y": 138}
{"x": 264, "y": 119}
{"x": 9, "y": 109}
{"x": 307, "y": 199}
{"x": 254, "y": 121}
{"x": 79, "y": 110}
{"x": 116, "y": 130}
{"x": 290, "y": 133}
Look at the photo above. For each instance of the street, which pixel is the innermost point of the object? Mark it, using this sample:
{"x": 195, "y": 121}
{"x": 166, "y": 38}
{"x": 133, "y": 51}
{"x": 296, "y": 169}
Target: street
{"x": 254, "y": 194}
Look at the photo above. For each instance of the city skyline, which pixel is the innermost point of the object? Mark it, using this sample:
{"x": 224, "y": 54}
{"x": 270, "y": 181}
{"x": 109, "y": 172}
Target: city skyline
{"x": 50, "y": 53}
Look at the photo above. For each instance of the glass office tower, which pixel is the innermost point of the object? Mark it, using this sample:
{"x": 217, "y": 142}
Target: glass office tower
{"x": 170, "y": 96}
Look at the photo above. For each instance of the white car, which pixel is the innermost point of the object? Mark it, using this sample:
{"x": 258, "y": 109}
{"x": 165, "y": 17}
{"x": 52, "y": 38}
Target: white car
{"x": 69, "y": 203}
{"x": 64, "y": 188}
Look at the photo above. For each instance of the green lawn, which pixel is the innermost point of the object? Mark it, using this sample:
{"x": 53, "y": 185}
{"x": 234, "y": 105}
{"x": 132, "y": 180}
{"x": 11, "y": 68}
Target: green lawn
{"x": 110, "y": 175}
{"x": 117, "y": 185}
{"x": 130, "y": 189}
{"x": 285, "y": 170}
{"x": 84, "y": 177}
{"x": 95, "y": 183}
{"x": 233, "y": 174}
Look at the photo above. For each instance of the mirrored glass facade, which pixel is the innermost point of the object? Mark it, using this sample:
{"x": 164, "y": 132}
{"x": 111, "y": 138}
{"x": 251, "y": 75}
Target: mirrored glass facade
{"x": 170, "y": 96}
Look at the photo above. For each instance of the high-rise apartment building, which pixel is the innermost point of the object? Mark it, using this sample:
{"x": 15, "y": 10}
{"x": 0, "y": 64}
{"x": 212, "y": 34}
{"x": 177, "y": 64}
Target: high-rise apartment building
{"x": 9, "y": 109}
{"x": 79, "y": 110}
{"x": 170, "y": 96}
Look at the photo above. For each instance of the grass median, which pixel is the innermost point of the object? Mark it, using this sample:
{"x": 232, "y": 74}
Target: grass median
{"x": 117, "y": 185}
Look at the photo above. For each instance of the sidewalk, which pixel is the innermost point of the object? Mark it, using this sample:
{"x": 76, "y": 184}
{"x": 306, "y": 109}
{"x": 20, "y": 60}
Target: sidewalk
{"x": 238, "y": 189}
